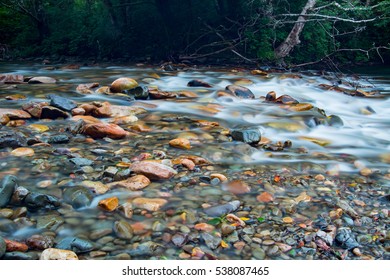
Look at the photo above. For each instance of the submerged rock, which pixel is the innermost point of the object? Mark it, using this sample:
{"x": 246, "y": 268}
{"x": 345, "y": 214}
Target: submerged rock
{"x": 2, "y": 247}
{"x": 198, "y": 83}
{"x": 139, "y": 92}
{"x": 20, "y": 256}
{"x": 75, "y": 244}
{"x": 40, "y": 242}
{"x": 101, "y": 130}
{"x": 345, "y": 239}
{"x": 153, "y": 170}
{"x": 37, "y": 201}
{"x": 148, "y": 248}
{"x": 123, "y": 230}
{"x": 78, "y": 197}
{"x": 12, "y": 139}
{"x": 223, "y": 209}
{"x": 7, "y": 187}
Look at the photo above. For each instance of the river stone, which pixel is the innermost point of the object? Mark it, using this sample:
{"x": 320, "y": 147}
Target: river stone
{"x": 62, "y": 103}
{"x": 14, "y": 114}
{"x": 345, "y": 239}
{"x": 139, "y": 92}
{"x": 198, "y": 83}
{"x": 7, "y": 186}
{"x": 122, "y": 84}
{"x": 7, "y": 226}
{"x": 153, "y": 170}
{"x": 2, "y": 247}
{"x": 12, "y": 139}
{"x": 240, "y": 92}
{"x": 148, "y": 248}
{"x": 42, "y": 80}
{"x": 135, "y": 183}
{"x": 40, "y": 242}
{"x": 78, "y": 197}
{"x": 223, "y": 209}
{"x": 50, "y": 112}
{"x": 58, "y": 139}
{"x": 38, "y": 201}
{"x": 20, "y": 256}
{"x": 49, "y": 222}
{"x": 81, "y": 161}
{"x": 123, "y": 230}
{"x": 75, "y": 244}
{"x": 179, "y": 239}
{"x": 249, "y": 136}
{"x": 101, "y": 130}
{"x": 212, "y": 241}
{"x": 58, "y": 254}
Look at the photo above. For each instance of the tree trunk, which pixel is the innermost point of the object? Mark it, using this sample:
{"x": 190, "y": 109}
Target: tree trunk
{"x": 292, "y": 39}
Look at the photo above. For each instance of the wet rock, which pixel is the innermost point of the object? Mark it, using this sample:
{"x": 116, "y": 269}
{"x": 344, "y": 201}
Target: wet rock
{"x": 249, "y": 136}
{"x": 11, "y": 79}
{"x": 101, "y": 130}
{"x": 238, "y": 187}
{"x": 42, "y": 80}
{"x": 124, "y": 120}
{"x": 37, "y": 201}
{"x": 62, "y": 102}
{"x": 20, "y": 256}
{"x": 344, "y": 205}
{"x": 134, "y": 183}
{"x": 212, "y": 241}
{"x": 14, "y": 114}
{"x": 12, "y": 246}
{"x": 86, "y": 88}
{"x": 99, "y": 233}
{"x": 126, "y": 210}
{"x": 123, "y": 230}
{"x": 286, "y": 99}
{"x": 240, "y": 92}
{"x": 81, "y": 161}
{"x": 58, "y": 139}
{"x": 345, "y": 239}
{"x": 7, "y": 226}
{"x": 2, "y": 247}
{"x": 49, "y": 222}
{"x": 219, "y": 210}
{"x": 109, "y": 204}
{"x": 159, "y": 94}
{"x": 179, "y": 239}
{"x": 40, "y": 242}
{"x": 23, "y": 152}
{"x": 153, "y": 170}
{"x": 58, "y": 254}
{"x": 122, "y": 84}
{"x": 150, "y": 204}
{"x": 106, "y": 110}
{"x": 227, "y": 229}
{"x": 181, "y": 143}
{"x": 34, "y": 108}
{"x": 7, "y": 187}
{"x": 12, "y": 139}
{"x": 139, "y": 92}
{"x": 75, "y": 244}
{"x": 50, "y": 112}
{"x": 335, "y": 121}
{"x": 148, "y": 248}
{"x": 96, "y": 187}
{"x": 236, "y": 221}
{"x": 19, "y": 195}
{"x": 198, "y": 83}
{"x": 265, "y": 197}
{"x": 78, "y": 197}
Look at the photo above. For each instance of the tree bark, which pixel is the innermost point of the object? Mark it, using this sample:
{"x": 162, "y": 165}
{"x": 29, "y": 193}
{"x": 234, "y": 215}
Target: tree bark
{"x": 284, "y": 49}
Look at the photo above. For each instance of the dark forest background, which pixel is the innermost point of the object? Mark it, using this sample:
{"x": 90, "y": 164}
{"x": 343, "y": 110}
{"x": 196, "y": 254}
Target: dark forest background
{"x": 196, "y": 30}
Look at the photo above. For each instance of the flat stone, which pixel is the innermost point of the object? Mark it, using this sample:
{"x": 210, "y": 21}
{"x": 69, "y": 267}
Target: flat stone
{"x": 42, "y": 80}
{"x": 223, "y": 209}
{"x": 134, "y": 183}
{"x": 75, "y": 244}
{"x": 58, "y": 254}
{"x": 150, "y": 204}
{"x": 14, "y": 114}
{"x": 96, "y": 187}
{"x": 153, "y": 170}
{"x": 78, "y": 197}
{"x": 62, "y": 102}
{"x": 12, "y": 139}
{"x": 81, "y": 161}
{"x": 11, "y": 79}
{"x": 238, "y": 187}
{"x": 15, "y": 246}
{"x": 23, "y": 152}
{"x": 101, "y": 130}
{"x": 181, "y": 143}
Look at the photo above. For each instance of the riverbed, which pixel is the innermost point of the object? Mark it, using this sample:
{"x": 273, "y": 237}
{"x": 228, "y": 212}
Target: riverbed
{"x": 315, "y": 185}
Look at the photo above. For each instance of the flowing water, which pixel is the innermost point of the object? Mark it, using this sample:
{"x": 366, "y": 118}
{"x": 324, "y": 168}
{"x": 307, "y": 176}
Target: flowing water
{"x": 339, "y": 151}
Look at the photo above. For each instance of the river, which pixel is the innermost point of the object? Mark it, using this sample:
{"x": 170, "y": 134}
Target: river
{"x": 307, "y": 162}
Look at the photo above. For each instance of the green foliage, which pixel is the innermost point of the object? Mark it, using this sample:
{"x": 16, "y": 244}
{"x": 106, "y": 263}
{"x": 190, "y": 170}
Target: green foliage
{"x": 159, "y": 29}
